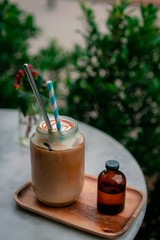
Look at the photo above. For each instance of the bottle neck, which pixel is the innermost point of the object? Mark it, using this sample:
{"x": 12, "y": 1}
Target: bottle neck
{"x": 112, "y": 171}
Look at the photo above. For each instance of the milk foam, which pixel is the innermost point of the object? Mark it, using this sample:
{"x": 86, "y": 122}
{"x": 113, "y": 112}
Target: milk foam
{"x": 47, "y": 142}
{"x": 65, "y": 125}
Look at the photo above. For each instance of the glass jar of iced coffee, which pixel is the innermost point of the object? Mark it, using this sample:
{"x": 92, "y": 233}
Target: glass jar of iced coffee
{"x": 57, "y": 162}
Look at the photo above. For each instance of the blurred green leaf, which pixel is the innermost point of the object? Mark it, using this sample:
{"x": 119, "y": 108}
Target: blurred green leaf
{"x": 16, "y": 29}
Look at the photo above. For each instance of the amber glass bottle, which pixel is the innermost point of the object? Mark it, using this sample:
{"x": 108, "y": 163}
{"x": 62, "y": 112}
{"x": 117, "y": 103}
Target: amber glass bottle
{"x": 111, "y": 189}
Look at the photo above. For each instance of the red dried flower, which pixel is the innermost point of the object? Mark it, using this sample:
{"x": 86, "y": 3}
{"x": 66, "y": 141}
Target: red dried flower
{"x": 35, "y": 73}
{"x": 30, "y": 66}
{"x": 20, "y": 72}
{"x": 16, "y": 85}
{"x": 18, "y": 78}
{"x": 24, "y": 90}
{"x": 21, "y": 82}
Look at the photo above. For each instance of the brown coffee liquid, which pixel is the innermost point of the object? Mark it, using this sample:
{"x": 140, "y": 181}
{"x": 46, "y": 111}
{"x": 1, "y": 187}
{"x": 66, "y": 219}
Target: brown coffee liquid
{"x": 111, "y": 191}
{"x": 57, "y": 176}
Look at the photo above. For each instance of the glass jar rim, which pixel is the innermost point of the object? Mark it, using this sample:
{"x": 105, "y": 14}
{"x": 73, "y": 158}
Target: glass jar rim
{"x": 58, "y": 134}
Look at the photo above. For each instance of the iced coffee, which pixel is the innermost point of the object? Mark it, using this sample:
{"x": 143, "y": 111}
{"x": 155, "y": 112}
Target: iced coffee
{"x": 57, "y": 162}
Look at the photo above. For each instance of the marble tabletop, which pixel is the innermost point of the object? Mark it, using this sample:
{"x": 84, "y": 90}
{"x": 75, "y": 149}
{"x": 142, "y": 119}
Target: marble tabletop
{"x": 16, "y": 223}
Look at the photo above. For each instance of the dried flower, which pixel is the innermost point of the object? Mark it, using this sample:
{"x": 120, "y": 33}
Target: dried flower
{"x": 24, "y": 92}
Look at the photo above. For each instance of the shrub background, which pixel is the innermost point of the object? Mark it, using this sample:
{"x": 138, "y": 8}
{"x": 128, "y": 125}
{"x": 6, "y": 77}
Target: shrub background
{"x": 16, "y": 29}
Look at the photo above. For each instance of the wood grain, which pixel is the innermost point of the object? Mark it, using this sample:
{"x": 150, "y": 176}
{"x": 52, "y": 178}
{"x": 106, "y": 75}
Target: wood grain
{"x": 83, "y": 213}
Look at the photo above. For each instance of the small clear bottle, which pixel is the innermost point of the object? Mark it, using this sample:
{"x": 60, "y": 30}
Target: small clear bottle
{"x": 111, "y": 189}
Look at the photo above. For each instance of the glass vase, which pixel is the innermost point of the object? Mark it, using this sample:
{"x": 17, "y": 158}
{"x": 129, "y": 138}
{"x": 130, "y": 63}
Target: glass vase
{"x": 28, "y": 124}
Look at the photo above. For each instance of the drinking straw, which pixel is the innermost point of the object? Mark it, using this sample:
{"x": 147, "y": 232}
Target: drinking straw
{"x": 54, "y": 104}
{"x": 37, "y": 95}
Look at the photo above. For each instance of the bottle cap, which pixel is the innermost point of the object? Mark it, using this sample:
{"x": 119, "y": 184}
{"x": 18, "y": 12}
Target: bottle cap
{"x": 112, "y": 164}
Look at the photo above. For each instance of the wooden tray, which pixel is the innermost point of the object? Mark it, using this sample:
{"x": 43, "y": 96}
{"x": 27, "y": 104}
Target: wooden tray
{"x": 83, "y": 213}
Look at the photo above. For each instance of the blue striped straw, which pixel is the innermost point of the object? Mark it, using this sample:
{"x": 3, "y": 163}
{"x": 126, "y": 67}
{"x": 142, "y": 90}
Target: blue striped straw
{"x": 54, "y": 104}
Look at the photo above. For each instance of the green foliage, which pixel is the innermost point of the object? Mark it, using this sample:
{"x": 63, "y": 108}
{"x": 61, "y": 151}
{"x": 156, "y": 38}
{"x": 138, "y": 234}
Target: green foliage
{"x": 53, "y": 58}
{"x": 16, "y": 28}
{"x": 53, "y": 61}
{"x": 115, "y": 80}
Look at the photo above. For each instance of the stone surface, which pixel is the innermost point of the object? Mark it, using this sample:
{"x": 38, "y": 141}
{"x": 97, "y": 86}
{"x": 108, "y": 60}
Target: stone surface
{"x": 16, "y": 223}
